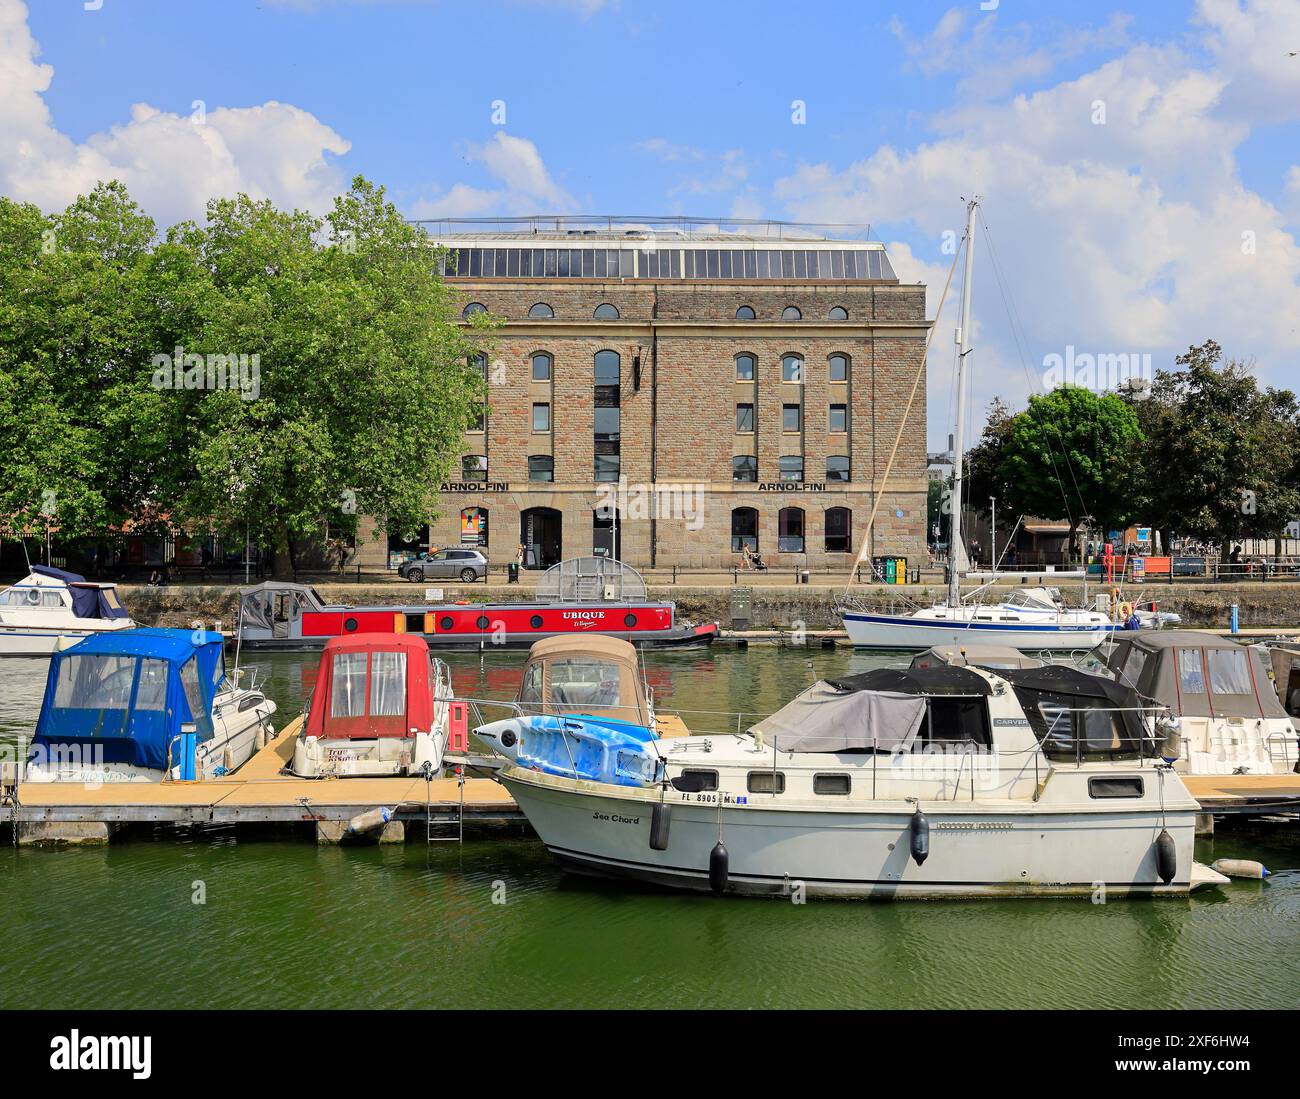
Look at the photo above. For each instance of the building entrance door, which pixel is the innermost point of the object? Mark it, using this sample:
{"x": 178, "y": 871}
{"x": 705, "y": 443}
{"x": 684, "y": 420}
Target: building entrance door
{"x": 541, "y": 532}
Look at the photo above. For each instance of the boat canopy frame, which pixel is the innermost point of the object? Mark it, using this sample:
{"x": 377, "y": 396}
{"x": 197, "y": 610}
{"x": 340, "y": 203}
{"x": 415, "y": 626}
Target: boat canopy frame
{"x": 587, "y": 579}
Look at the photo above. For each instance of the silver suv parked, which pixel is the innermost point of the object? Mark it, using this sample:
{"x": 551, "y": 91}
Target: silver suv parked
{"x": 467, "y": 564}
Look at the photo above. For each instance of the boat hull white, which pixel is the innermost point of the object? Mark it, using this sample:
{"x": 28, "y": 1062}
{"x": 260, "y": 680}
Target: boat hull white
{"x": 977, "y": 849}
{"x": 884, "y": 631}
{"x": 34, "y": 641}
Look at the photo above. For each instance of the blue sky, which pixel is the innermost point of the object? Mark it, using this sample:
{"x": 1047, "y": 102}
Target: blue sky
{"x": 1172, "y": 219}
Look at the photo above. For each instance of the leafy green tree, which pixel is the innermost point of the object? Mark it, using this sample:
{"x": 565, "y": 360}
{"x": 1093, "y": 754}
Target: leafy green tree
{"x": 1220, "y": 462}
{"x": 983, "y": 461}
{"x": 1070, "y": 455}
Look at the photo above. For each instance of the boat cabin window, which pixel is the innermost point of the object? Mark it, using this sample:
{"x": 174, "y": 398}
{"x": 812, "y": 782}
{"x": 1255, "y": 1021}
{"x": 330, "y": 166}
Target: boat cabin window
{"x": 95, "y": 682}
{"x": 584, "y": 682}
{"x": 1126, "y": 786}
{"x": 1229, "y": 672}
{"x": 531, "y": 690}
{"x": 954, "y": 719}
{"x": 1191, "y": 672}
{"x": 832, "y": 784}
{"x": 1131, "y": 670}
{"x": 765, "y": 782}
{"x": 387, "y": 684}
{"x": 1076, "y": 727}
{"x": 708, "y": 780}
{"x": 348, "y": 686}
{"x": 415, "y": 623}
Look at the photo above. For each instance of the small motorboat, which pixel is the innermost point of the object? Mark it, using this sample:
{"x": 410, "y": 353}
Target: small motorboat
{"x": 144, "y": 705}
{"x": 381, "y": 706}
{"x": 1220, "y": 696}
{"x": 50, "y": 605}
{"x": 944, "y": 781}
{"x": 583, "y": 710}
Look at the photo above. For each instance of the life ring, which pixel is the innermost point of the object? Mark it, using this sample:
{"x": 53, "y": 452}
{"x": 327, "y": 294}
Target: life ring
{"x": 1125, "y": 611}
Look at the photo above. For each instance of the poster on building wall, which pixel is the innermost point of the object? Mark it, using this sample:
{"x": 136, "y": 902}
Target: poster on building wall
{"x": 474, "y": 527}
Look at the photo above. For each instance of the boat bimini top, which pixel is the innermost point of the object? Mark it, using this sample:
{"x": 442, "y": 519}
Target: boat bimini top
{"x": 126, "y": 694}
{"x": 373, "y": 685}
{"x": 588, "y": 674}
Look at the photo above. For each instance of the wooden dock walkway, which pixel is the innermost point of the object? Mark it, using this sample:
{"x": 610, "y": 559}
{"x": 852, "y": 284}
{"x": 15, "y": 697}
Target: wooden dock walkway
{"x": 1236, "y": 794}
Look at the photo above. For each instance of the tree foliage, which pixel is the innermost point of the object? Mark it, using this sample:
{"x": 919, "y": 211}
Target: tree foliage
{"x": 349, "y": 390}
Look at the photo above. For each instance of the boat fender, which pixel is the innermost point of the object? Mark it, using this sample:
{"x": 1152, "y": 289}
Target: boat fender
{"x": 920, "y": 830}
{"x": 228, "y": 760}
{"x": 259, "y": 740}
{"x": 1240, "y": 868}
{"x": 1172, "y": 745}
{"x": 718, "y": 868}
{"x": 661, "y": 817}
{"x": 1166, "y": 857}
{"x": 369, "y": 820}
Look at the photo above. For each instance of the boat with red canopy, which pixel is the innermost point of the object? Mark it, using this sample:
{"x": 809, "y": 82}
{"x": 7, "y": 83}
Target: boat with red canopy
{"x": 585, "y": 595}
{"x": 380, "y": 707}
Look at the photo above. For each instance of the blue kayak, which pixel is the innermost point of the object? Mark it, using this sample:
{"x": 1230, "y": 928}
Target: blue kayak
{"x": 599, "y": 749}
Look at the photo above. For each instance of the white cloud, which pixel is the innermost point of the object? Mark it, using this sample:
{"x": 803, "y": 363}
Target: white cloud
{"x": 172, "y": 164}
{"x": 516, "y": 163}
{"x": 1135, "y": 235}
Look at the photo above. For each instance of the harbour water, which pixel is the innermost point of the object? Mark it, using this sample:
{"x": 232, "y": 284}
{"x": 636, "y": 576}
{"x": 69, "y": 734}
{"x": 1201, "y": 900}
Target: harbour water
{"x": 495, "y": 924}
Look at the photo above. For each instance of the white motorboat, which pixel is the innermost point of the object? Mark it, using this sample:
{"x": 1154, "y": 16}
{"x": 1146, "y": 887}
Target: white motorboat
{"x": 50, "y": 605}
{"x": 1228, "y": 713}
{"x": 937, "y": 782}
{"x": 1030, "y": 619}
{"x": 380, "y": 706}
{"x": 144, "y": 705}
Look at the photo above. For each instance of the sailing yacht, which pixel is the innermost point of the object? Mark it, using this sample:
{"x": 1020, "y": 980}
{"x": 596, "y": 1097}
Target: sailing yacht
{"x": 1031, "y": 619}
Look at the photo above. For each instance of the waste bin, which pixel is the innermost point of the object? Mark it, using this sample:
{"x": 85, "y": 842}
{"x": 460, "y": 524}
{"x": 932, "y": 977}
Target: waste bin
{"x": 512, "y": 573}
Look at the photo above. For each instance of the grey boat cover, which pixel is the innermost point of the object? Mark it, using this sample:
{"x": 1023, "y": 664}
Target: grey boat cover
{"x": 827, "y": 719}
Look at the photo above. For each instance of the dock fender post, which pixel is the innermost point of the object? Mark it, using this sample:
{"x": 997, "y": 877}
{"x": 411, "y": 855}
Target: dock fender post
{"x": 919, "y": 829}
{"x": 718, "y": 868}
{"x": 661, "y": 818}
{"x": 1166, "y": 857}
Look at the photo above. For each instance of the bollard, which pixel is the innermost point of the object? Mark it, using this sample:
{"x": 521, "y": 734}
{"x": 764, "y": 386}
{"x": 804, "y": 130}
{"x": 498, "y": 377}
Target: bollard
{"x": 1235, "y": 618}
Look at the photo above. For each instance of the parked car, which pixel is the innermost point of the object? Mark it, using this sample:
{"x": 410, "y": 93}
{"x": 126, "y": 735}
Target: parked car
{"x": 467, "y": 564}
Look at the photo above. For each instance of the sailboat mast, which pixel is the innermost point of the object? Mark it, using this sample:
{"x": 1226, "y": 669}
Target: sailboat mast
{"x": 956, "y": 543}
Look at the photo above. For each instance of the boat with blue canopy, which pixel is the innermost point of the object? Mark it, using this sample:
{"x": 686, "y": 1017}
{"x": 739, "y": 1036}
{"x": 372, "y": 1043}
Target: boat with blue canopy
{"x": 144, "y": 705}
{"x": 50, "y": 606}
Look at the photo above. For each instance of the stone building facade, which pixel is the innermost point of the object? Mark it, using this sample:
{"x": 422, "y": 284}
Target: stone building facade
{"x": 689, "y": 394}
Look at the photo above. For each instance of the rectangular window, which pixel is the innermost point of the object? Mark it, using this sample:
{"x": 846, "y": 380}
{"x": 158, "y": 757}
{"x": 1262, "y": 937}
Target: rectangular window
{"x": 839, "y": 419}
{"x": 473, "y": 467}
{"x": 832, "y": 784}
{"x": 480, "y": 420}
{"x": 387, "y": 684}
{"x": 541, "y": 417}
{"x": 1191, "y": 672}
{"x": 791, "y": 467}
{"x": 1229, "y": 673}
{"x": 541, "y": 467}
{"x": 348, "y": 685}
{"x": 744, "y": 467}
{"x": 765, "y": 782}
{"x": 744, "y": 419}
{"x": 1128, "y": 786}
{"x": 837, "y": 530}
{"x": 791, "y": 421}
{"x": 1133, "y": 667}
{"x": 708, "y": 780}
{"x": 606, "y": 467}
{"x": 837, "y": 467}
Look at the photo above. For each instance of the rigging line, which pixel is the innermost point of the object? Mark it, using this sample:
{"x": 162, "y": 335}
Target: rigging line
{"x": 1013, "y": 321}
{"x": 902, "y": 424}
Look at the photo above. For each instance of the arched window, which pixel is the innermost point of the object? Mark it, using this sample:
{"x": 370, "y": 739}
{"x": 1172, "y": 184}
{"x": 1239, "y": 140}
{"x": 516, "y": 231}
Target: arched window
{"x": 745, "y": 313}
{"x": 541, "y": 467}
{"x": 837, "y": 313}
{"x": 789, "y": 530}
{"x": 839, "y": 530}
{"x": 474, "y": 527}
{"x": 472, "y": 308}
{"x": 473, "y": 467}
{"x": 605, "y": 312}
{"x": 745, "y": 368}
{"x": 744, "y": 529}
{"x": 791, "y": 313}
{"x": 792, "y": 368}
{"x": 790, "y": 467}
{"x": 541, "y": 366}
{"x": 838, "y": 368}
{"x": 541, "y": 312}
{"x": 478, "y": 363}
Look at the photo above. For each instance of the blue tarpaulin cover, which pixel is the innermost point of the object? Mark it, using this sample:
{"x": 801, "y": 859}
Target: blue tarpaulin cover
{"x": 88, "y": 600}
{"x": 123, "y": 696}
